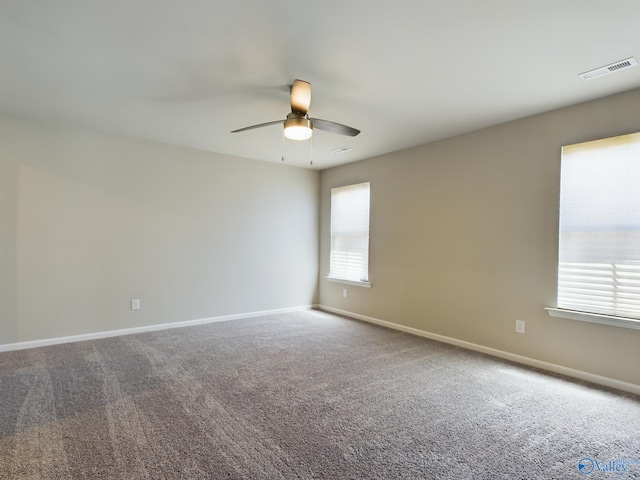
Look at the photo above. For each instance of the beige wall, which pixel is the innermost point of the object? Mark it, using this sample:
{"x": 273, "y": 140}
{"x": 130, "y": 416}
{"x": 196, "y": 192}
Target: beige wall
{"x": 90, "y": 220}
{"x": 8, "y": 245}
{"x": 464, "y": 239}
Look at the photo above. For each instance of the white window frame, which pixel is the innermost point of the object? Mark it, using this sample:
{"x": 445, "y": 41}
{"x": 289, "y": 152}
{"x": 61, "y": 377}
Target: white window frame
{"x": 358, "y": 213}
{"x": 595, "y": 284}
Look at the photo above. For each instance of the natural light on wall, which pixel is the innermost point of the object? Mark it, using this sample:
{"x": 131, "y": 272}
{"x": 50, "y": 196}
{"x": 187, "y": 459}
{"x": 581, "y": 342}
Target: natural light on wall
{"x": 349, "y": 258}
{"x": 599, "y": 254}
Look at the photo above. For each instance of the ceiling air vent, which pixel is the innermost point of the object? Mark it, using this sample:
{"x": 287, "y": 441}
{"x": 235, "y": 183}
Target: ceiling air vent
{"x": 340, "y": 150}
{"x": 614, "y": 67}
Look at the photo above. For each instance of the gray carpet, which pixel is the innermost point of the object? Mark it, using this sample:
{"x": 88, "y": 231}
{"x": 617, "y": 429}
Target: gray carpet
{"x": 301, "y": 395}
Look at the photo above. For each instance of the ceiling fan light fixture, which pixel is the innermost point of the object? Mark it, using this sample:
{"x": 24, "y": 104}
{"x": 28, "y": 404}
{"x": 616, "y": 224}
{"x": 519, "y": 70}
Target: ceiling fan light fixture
{"x": 297, "y": 128}
{"x": 298, "y": 125}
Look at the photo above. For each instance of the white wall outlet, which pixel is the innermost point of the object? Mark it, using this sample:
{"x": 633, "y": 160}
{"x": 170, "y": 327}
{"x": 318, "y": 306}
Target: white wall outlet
{"x": 135, "y": 304}
{"x": 520, "y": 326}
{"x": 345, "y": 293}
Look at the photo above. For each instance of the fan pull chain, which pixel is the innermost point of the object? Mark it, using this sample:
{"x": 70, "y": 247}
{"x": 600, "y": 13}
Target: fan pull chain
{"x": 311, "y": 146}
{"x": 283, "y": 144}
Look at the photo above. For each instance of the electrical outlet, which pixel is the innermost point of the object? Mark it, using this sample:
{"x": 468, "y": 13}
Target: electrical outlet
{"x": 520, "y": 326}
{"x": 345, "y": 293}
{"x": 135, "y": 304}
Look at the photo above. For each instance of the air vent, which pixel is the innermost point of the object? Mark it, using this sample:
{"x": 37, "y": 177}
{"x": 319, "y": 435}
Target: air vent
{"x": 340, "y": 150}
{"x": 614, "y": 67}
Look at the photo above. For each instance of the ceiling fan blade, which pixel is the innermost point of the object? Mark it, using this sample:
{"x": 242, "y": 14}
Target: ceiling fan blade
{"x": 258, "y": 126}
{"x": 334, "y": 127}
{"x": 300, "y": 97}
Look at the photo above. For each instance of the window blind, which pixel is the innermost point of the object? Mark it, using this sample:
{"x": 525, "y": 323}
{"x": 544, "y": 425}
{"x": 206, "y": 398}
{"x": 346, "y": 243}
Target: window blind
{"x": 349, "y": 258}
{"x": 599, "y": 247}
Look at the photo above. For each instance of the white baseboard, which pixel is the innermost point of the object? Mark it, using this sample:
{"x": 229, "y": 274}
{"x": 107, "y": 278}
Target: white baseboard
{"x": 551, "y": 367}
{"x": 148, "y": 328}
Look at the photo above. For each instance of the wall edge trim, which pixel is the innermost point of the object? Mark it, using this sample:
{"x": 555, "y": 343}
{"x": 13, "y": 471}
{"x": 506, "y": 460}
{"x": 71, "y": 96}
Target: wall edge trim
{"x": 532, "y": 362}
{"x": 147, "y": 328}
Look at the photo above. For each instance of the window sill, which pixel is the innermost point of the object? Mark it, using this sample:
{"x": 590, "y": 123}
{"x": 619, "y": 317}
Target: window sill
{"x": 348, "y": 282}
{"x": 594, "y": 318}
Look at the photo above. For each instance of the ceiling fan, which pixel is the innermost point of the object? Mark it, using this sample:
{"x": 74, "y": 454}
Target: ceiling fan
{"x": 298, "y": 125}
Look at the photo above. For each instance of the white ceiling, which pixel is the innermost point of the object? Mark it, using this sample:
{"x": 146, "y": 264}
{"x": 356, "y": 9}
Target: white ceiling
{"x": 407, "y": 72}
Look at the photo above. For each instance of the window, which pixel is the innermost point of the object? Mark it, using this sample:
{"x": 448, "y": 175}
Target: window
{"x": 349, "y": 258}
{"x": 599, "y": 255}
